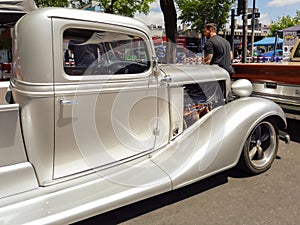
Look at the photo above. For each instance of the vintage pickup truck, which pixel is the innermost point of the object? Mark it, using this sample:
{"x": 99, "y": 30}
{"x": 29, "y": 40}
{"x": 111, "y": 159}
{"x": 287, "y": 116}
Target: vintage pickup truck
{"x": 114, "y": 126}
{"x": 279, "y": 82}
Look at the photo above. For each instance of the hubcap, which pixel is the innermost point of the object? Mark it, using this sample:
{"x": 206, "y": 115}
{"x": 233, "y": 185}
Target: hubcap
{"x": 262, "y": 146}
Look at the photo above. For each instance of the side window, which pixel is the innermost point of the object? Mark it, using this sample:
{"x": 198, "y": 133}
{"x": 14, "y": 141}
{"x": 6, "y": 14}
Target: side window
{"x": 90, "y": 52}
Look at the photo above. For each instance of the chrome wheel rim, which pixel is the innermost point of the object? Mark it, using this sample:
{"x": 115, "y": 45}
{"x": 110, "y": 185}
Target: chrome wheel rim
{"x": 263, "y": 144}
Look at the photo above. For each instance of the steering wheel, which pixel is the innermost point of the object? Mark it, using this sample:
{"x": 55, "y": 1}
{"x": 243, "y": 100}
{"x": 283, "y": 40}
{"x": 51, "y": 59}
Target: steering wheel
{"x": 119, "y": 67}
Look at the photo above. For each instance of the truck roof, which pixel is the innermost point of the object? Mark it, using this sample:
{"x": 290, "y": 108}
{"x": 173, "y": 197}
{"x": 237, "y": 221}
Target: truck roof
{"x": 35, "y": 34}
{"x": 86, "y": 15}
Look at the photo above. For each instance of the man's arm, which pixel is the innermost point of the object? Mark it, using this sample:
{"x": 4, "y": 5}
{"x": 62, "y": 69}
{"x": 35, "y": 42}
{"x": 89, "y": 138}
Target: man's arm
{"x": 207, "y": 58}
{"x": 208, "y": 52}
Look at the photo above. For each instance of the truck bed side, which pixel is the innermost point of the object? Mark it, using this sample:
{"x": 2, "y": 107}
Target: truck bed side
{"x": 16, "y": 173}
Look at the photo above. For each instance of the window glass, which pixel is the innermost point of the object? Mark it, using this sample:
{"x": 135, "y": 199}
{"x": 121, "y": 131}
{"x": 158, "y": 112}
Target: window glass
{"x": 89, "y": 52}
{"x": 199, "y": 99}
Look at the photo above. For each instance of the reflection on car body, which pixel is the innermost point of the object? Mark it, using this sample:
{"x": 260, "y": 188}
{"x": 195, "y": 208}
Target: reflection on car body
{"x": 80, "y": 140}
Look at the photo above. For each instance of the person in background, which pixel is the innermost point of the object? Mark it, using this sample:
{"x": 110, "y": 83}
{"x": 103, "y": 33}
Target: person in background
{"x": 217, "y": 50}
{"x": 84, "y": 55}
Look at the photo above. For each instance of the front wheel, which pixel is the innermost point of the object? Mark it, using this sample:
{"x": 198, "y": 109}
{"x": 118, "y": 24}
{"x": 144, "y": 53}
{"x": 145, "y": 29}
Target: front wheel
{"x": 260, "y": 148}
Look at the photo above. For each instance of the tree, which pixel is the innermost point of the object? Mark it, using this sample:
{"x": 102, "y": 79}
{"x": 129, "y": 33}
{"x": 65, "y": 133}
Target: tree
{"x": 170, "y": 19}
{"x": 52, "y": 3}
{"x": 284, "y": 22}
{"x": 198, "y": 12}
{"x": 119, "y": 7}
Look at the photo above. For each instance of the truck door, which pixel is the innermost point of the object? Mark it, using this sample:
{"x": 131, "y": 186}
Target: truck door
{"x": 105, "y": 97}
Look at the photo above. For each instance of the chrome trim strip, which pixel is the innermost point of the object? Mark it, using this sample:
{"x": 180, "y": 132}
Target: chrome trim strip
{"x": 278, "y": 99}
{"x": 280, "y": 90}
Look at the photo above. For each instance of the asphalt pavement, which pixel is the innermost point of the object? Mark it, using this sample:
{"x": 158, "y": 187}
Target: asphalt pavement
{"x": 228, "y": 198}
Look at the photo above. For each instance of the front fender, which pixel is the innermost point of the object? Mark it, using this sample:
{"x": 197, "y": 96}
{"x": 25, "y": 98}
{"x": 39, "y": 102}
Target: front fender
{"x": 214, "y": 143}
{"x": 243, "y": 114}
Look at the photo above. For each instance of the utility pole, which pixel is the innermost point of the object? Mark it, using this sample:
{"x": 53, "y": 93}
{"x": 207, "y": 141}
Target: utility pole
{"x": 232, "y": 29}
{"x": 245, "y": 28}
{"x": 252, "y": 27}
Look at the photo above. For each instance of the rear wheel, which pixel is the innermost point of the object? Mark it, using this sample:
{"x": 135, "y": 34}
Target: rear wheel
{"x": 260, "y": 148}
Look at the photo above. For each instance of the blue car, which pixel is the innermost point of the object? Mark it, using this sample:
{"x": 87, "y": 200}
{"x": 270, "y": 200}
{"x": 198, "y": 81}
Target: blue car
{"x": 278, "y": 53}
{"x": 269, "y": 56}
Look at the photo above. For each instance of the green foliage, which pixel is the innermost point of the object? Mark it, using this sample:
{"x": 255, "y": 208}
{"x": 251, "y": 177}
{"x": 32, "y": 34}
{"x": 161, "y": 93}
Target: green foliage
{"x": 284, "y": 22}
{"x": 198, "y": 12}
{"x": 52, "y": 3}
{"x": 120, "y": 7}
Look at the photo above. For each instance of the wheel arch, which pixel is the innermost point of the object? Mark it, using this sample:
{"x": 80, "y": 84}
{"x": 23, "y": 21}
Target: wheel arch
{"x": 265, "y": 110}
{"x": 277, "y": 121}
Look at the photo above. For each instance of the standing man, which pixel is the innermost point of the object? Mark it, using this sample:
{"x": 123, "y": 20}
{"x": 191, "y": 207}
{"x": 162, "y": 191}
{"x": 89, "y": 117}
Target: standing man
{"x": 217, "y": 49}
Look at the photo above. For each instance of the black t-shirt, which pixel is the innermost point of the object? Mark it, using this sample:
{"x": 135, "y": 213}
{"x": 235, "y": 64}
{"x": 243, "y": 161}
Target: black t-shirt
{"x": 84, "y": 55}
{"x": 220, "y": 48}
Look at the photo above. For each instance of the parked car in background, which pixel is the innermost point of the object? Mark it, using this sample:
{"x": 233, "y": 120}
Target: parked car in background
{"x": 279, "y": 82}
{"x": 276, "y": 56}
{"x": 278, "y": 53}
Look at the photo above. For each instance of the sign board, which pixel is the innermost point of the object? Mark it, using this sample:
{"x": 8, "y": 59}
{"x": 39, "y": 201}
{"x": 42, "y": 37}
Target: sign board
{"x": 256, "y": 15}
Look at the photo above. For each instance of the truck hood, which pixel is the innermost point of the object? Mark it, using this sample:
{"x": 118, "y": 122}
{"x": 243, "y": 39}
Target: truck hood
{"x": 12, "y": 10}
{"x": 194, "y": 73}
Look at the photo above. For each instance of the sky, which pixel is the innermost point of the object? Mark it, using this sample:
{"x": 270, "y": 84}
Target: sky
{"x": 270, "y": 10}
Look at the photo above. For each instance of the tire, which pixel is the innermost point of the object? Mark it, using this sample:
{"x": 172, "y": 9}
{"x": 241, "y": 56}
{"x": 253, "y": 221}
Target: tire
{"x": 260, "y": 149}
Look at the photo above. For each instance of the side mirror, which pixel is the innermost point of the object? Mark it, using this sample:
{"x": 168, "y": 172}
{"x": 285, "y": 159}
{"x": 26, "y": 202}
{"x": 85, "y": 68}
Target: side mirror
{"x": 242, "y": 88}
{"x": 155, "y": 66}
{"x": 155, "y": 61}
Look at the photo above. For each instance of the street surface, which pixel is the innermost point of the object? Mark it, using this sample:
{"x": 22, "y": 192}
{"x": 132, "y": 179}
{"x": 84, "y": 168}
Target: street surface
{"x": 229, "y": 198}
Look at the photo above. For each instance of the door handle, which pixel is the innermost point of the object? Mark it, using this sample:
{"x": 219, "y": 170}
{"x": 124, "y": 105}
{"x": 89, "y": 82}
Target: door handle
{"x": 68, "y": 102}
